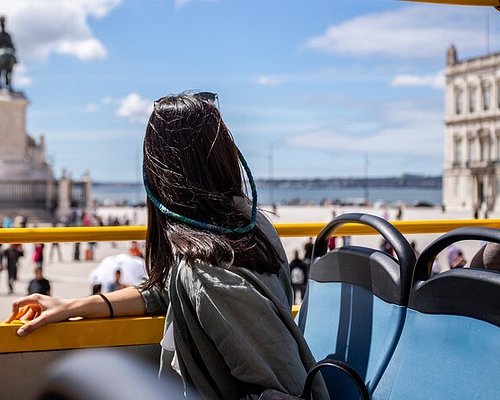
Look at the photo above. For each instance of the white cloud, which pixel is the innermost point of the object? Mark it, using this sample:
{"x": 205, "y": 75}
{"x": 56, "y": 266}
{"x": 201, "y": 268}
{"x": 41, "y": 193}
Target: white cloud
{"x": 96, "y": 8}
{"x": 405, "y": 130}
{"x": 269, "y": 80}
{"x": 182, "y": 3}
{"x": 135, "y": 108}
{"x": 40, "y": 28}
{"x": 93, "y": 135}
{"x": 21, "y": 77}
{"x": 91, "y": 107}
{"x": 85, "y": 50}
{"x": 107, "y": 100}
{"x": 354, "y": 73}
{"x": 411, "y": 31}
{"x": 435, "y": 81}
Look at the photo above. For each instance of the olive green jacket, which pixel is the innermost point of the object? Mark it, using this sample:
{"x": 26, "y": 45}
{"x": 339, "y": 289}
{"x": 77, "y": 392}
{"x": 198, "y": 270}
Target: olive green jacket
{"x": 233, "y": 331}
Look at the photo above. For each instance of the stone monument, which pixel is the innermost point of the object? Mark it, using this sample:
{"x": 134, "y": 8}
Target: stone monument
{"x": 7, "y": 55}
{"x": 21, "y": 156}
{"x": 26, "y": 179}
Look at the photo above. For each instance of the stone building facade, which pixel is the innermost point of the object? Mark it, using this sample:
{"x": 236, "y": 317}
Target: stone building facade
{"x": 471, "y": 179}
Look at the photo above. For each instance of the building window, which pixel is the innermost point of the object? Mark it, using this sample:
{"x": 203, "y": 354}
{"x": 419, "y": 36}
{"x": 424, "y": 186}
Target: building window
{"x": 458, "y": 101}
{"x": 486, "y": 97}
{"x": 485, "y": 149}
{"x": 498, "y": 94}
{"x": 472, "y": 99}
{"x": 455, "y": 187}
{"x": 457, "y": 157}
{"x": 472, "y": 150}
{"x": 498, "y": 148}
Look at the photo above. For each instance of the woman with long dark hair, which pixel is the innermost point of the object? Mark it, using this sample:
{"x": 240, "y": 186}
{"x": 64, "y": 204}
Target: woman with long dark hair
{"x": 216, "y": 266}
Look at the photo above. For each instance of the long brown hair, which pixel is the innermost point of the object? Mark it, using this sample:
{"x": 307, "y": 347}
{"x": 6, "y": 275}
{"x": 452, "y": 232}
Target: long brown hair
{"x": 192, "y": 167}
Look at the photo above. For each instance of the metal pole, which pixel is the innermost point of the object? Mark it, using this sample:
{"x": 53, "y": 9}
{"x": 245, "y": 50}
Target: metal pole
{"x": 367, "y": 193}
{"x": 271, "y": 174}
{"x": 137, "y": 175}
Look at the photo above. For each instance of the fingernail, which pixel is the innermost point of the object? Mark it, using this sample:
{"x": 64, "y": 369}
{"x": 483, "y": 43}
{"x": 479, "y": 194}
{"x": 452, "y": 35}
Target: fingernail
{"x": 21, "y": 332}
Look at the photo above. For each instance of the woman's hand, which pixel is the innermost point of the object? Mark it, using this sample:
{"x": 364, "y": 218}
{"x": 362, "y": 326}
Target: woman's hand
{"x": 38, "y": 310}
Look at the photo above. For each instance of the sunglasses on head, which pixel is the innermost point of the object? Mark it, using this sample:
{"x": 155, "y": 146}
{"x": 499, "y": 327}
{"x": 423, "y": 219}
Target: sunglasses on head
{"x": 209, "y": 96}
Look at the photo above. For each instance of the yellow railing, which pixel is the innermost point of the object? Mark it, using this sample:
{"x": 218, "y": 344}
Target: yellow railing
{"x": 83, "y": 334}
{"x": 88, "y": 333}
{"x": 148, "y": 330}
{"x": 116, "y": 233}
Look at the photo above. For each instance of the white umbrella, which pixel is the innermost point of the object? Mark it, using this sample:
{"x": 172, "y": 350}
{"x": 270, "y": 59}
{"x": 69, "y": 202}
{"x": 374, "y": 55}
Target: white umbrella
{"x": 132, "y": 269}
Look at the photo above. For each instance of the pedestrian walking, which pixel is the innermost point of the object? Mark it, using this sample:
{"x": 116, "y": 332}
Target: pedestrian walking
{"x": 12, "y": 256}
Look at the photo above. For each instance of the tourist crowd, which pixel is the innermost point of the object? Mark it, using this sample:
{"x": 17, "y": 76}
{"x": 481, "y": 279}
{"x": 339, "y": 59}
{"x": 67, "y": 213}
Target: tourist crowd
{"x": 12, "y": 254}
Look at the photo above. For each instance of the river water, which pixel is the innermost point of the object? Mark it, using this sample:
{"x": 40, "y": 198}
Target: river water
{"x": 111, "y": 194}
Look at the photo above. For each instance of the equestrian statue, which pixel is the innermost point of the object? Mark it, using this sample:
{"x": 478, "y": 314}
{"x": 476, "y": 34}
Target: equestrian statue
{"x": 7, "y": 57}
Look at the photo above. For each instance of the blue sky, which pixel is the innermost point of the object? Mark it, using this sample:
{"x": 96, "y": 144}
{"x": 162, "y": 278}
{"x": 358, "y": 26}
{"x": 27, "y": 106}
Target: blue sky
{"x": 320, "y": 84}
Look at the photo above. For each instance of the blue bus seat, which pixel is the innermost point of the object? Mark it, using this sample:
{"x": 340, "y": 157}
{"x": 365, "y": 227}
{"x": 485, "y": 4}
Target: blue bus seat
{"x": 450, "y": 344}
{"x": 355, "y": 303}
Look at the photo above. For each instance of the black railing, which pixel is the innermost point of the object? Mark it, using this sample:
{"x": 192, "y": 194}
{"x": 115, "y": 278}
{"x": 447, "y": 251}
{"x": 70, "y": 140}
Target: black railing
{"x": 30, "y": 194}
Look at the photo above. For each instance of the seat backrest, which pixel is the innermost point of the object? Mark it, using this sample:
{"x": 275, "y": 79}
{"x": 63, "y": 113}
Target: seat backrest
{"x": 450, "y": 344}
{"x": 355, "y": 302}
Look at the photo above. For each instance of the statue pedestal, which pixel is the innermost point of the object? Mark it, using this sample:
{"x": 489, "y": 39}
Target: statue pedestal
{"x": 21, "y": 158}
{"x": 23, "y": 172}
{"x": 26, "y": 179}
{"x": 13, "y": 138}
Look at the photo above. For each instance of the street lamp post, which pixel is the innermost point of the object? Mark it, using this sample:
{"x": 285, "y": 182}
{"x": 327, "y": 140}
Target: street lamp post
{"x": 271, "y": 174}
{"x": 367, "y": 192}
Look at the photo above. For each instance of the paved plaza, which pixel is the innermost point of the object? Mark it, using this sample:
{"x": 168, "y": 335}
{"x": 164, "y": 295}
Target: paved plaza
{"x": 70, "y": 278}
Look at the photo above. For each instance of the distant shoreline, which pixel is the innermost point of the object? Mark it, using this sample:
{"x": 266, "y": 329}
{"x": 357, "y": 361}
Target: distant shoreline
{"x": 402, "y": 181}
{"x": 286, "y": 194}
